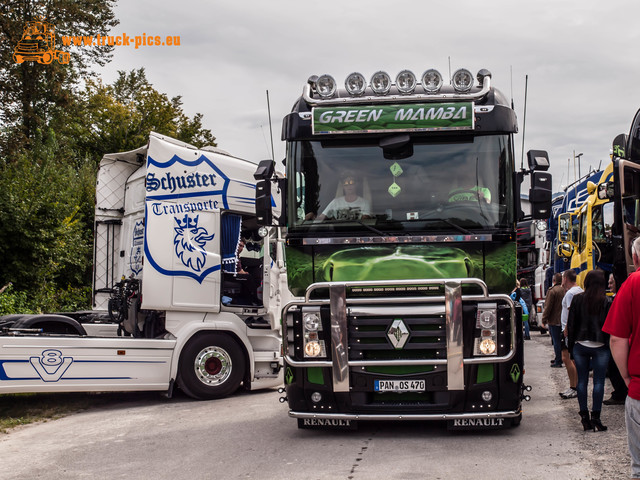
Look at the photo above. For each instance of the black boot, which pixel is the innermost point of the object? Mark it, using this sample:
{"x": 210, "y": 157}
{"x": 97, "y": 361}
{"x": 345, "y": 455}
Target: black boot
{"x": 586, "y": 423}
{"x": 595, "y": 421}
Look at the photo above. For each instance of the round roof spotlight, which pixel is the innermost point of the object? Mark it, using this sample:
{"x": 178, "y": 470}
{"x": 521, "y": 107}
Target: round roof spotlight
{"x": 406, "y": 82}
{"x": 431, "y": 81}
{"x": 380, "y": 83}
{"x": 355, "y": 84}
{"x": 462, "y": 80}
{"x": 325, "y": 86}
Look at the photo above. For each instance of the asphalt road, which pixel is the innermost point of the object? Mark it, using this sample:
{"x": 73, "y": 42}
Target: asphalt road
{"x": 249, "y": 435}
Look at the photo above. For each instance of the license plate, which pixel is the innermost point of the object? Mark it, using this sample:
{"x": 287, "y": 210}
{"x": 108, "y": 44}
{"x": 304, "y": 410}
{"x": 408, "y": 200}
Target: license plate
{"x": 399, "y": 385}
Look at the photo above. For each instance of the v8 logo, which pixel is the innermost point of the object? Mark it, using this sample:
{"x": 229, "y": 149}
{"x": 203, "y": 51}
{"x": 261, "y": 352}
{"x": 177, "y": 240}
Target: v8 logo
{"x": 51, "y": 365}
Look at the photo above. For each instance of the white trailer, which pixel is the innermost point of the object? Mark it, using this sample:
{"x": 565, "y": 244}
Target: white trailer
{"x": 172, "y": 301}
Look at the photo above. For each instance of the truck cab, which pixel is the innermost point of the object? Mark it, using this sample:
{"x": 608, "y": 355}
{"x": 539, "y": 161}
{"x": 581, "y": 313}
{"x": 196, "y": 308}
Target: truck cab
{"x": 401, "y": 203}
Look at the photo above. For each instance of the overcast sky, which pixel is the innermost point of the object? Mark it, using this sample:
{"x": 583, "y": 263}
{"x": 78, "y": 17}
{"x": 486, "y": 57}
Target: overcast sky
{"x": 581, "y": 58}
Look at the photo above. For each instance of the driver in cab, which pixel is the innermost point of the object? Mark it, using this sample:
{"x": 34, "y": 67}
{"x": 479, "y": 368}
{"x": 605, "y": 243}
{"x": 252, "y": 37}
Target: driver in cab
{"x": 468, "y": 191}
{"x": 350, "y": 206}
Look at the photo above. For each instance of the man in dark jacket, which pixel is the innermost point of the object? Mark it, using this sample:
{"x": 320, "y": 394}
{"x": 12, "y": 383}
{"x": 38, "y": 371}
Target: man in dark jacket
{"x": 551, "y": 317}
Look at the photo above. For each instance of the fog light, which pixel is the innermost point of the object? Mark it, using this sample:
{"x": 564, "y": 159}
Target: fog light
{"x": 462, "y": 80}
{"x": 380, "y": 83}
{"x": 316, "y": 397}
{"x": 313, "y": 349}
{"x": 406, "y": 82}
{"x": 431, "y": 81}
{"x": 487, "y": 346}
{"x": 355, "y": 84}
{"x": 326, "y": 86}
{"x": 487, "y": 396}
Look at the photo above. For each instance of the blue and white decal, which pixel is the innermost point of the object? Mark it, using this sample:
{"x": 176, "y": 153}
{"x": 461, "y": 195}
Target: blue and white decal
{"x": 137, "y": 246}
{"x": 190, "y": 242}
{"x": 52, "y": 366}
{"x": 178, "y": 178}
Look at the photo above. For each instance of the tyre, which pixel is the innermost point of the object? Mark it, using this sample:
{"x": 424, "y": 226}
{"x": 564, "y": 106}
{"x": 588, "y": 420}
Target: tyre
{"x": 46, "y": 58}
{"x": 211, "y": 366}
{"x": 516, "y": 421}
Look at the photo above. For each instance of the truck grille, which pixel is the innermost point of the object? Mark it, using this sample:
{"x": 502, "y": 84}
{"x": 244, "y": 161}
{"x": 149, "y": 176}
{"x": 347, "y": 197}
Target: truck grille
{"x": 391, "y": 337}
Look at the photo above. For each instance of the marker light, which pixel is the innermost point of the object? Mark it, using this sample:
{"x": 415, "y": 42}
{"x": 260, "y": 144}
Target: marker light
{"x": 462, "y": 80}
{"x": 326, "y": 86}
{"x": 431, "y": 81}
{"x": 380, "y": 83}
{"x": 406, "y": 82}
{"x": 355, "y": 84}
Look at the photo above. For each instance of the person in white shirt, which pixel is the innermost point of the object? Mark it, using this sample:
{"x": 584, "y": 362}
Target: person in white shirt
{"x": 351, "y": 206}
{"x": 569, "y": 284}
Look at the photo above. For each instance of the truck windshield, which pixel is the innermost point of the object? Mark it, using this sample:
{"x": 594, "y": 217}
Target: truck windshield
{"x": 426, "y": 185}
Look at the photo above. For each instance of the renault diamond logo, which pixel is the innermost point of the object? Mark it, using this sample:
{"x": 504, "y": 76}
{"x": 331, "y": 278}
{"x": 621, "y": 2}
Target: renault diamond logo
{"x": 398, "y": 333}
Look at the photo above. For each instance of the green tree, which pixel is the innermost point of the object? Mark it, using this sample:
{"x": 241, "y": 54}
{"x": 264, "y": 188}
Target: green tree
{"x": 35, "y": 96}
{"x": 119, "y": 117}
{"x": 44, "y": 242}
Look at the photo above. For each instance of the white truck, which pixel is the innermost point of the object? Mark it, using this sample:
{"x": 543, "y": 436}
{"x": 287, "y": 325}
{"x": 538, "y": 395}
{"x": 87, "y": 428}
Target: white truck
{"x": 172, "y": 300}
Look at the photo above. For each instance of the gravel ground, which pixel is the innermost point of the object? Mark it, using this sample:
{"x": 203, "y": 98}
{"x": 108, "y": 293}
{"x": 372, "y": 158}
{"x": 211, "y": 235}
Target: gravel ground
{"x": 607, "y": 451}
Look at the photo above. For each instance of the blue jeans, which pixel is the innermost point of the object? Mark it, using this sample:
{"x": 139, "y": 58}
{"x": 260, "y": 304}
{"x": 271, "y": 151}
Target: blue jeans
{"x": 527, "y": 333}
{"x": 599, "y": 359}
{"x": 556, "y": 338}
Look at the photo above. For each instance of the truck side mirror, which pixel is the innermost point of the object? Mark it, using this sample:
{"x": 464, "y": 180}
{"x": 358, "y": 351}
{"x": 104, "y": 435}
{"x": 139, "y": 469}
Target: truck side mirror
{"x": 264, "y": 213}
{"x": 565, "y": 232}
{"x": 619, "y": 146}
{"x": 565, "y": 250}
{"x": 538, "y": 160}
{"x": 540, "y": 195}
{"x": 263, "y": 175}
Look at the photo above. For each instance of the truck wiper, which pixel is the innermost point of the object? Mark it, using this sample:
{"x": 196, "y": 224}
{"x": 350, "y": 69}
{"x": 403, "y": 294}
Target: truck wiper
{"x": 448, "y": 222}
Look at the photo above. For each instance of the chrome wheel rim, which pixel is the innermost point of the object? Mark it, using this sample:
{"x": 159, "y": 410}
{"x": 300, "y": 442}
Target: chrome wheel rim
{"x": 213, "y": 366}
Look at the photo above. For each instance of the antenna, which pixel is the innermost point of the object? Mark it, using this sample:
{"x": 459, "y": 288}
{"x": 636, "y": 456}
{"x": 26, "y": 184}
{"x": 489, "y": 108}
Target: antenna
{"x": 511, "y": 70}
{"x": 273, "y": 155}
{"x": 524, "y": 120}
{"x": 449, "y": 69}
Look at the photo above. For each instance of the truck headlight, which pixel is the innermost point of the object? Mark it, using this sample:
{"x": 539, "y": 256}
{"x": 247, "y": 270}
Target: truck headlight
{"x": 311, "y": 321}
{"x": 313, "y": 343}
{"x": 486, "y": 322}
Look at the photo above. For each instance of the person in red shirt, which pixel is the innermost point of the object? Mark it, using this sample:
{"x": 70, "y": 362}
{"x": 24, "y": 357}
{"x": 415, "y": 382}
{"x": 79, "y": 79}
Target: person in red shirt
{"x": 623, "y": 324}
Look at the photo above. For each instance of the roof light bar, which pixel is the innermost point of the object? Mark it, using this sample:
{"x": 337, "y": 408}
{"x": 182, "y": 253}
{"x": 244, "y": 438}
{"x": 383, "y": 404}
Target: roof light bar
{"x": 323, "y": 89}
